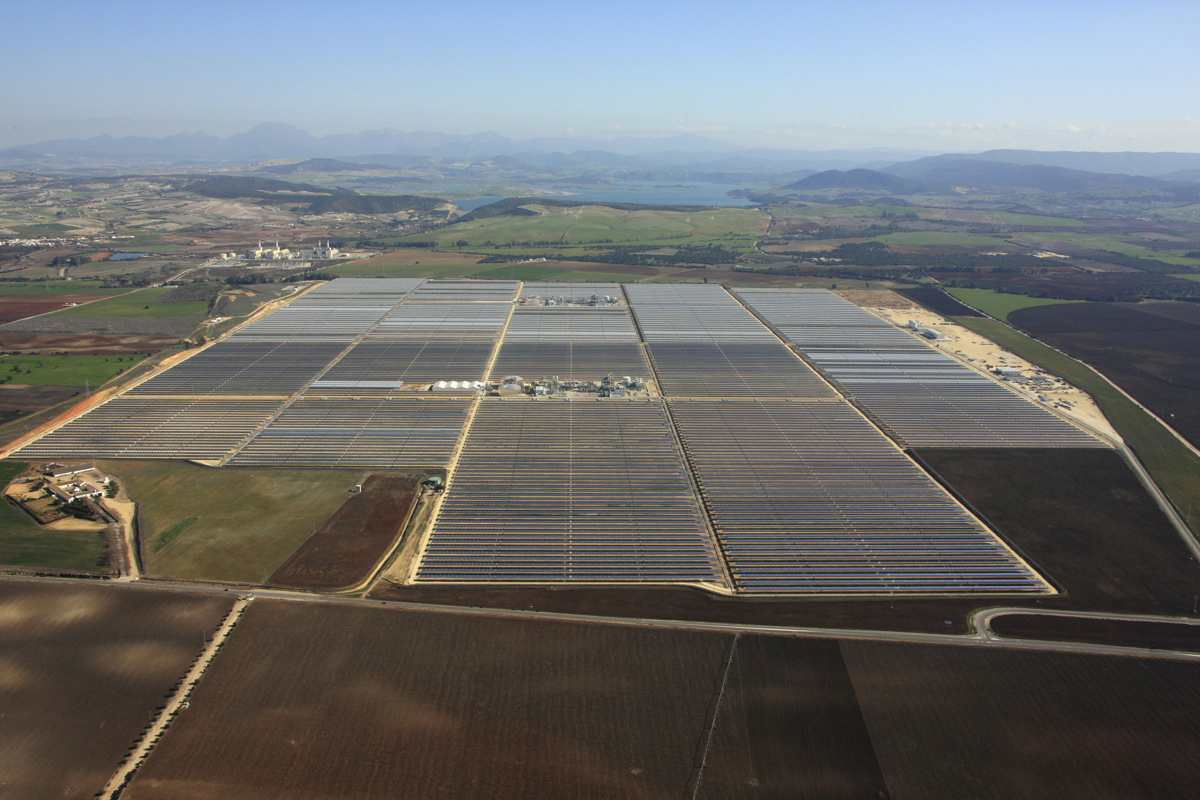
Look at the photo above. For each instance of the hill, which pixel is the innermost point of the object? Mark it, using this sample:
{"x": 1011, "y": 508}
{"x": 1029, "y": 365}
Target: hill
{"x": 978, "y": 174}
{"x": 321, "y": 200}
{"x": 1127, "y": 163}
{"x": 317, "y": 165}
{"x": 860, "y": 179}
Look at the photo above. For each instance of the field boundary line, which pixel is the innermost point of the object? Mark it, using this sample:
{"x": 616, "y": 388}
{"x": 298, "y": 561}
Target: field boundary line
{"x": 710, "y": 721}
{"x": 141, "y": 751}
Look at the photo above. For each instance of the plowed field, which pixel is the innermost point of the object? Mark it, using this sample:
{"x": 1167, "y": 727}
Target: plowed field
{"x": 82, "y": 669}
{"x": 352, "y": 541}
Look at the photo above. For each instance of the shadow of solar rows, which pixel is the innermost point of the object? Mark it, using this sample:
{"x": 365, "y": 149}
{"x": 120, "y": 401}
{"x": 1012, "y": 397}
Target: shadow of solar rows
{"x": 809, "y": 497}
{"x": 570, "y": 491}
{"x": 128, "y": 427}
{"x": 385, "y": 433}
{"x": 245, "y": 365}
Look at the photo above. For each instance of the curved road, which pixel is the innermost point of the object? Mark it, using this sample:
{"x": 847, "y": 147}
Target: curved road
{"x": 980, "y": 638}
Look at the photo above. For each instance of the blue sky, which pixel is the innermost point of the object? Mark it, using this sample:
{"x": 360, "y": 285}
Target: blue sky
{"x": 923, "y": 75}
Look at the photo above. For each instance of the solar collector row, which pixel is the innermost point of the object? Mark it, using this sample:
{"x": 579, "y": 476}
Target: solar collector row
{"x": 919, "y": 394}
{"x": 572, "y": 343}
{"x": 465, "y": 291}
{"x": 809, "y": 497}
{"x": 570, "y": 491}
{"x": 733, "y": 369}
{"x": 245, "y": 365}
{"x": 407, "y": 361}
{"x": 450, "y": 320}
{"x": 384, "y": 433}
{"x": 928, "y": 399}
{"x": 127, "y": 427}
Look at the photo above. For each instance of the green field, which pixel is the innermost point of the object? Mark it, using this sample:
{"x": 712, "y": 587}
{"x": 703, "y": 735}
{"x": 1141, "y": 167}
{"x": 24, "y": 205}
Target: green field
{"x": 24, "y": 544}
{"x": 56, "y": 370}
{"x": 1109, "y": 242}
{"x": 35, "y": 288}
{"x": 1011, "y": 218}
{"x": 1191, "y": 276}
{"x": 226, "y": 524}
{"x": 568, "y": 230}
{"x": 140, "y": 303}
{"x": 1000, "y": 304}
{"x": 943, "y": 238}
{"x": 1174, "y": 467}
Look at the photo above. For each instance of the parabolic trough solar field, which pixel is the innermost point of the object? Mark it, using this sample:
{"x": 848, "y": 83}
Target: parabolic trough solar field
{"x": 712, "y": 544}
{"x": 750, "y": 442}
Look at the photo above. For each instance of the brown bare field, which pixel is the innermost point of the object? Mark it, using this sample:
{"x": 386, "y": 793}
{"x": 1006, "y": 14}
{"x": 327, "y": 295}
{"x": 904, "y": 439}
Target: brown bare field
{"x": 23, "y": 397}
{"x": 311, "y": 701}
{"x": 1082, "y": 520}
{"x": 927, "y": 615}
{"x": 352, "y": 541}
{"x": 1123, "y": 632}
{"x": 417, "y": 255}
{"x": 938, "y": 302}
{"x": 82, "y": 669}
{"x": 83, "y": 343}
{"x": 789, "y": 726}
{"x": 1151, "y": 350}
{"x": 989, "y": 723}
{"x": 14, "y": 307}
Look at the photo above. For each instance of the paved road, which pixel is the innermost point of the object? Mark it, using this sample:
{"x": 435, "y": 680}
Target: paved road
{"x": 976, "y": 639}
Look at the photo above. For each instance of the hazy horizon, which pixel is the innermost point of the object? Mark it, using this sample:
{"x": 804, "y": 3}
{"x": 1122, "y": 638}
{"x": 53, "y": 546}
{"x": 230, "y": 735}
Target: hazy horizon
{"x": 925, "y": 76}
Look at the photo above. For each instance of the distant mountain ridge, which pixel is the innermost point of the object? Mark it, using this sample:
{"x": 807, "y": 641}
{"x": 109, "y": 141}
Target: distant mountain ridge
{"x": 1123, "y": 163}
{"x": 278, "y": 141}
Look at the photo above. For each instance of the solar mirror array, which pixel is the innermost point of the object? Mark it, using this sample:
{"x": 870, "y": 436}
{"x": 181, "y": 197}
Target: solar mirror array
{"x": 703, "y": 343}
{"x": 570, "y": 491}
{"x": 801, "y": 493}
{"x": 811, "y": 497}
{"x": 923, "y": 397}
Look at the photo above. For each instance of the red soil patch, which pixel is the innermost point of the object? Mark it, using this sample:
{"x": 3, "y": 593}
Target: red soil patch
{"x": 90, "y": 344}
{"x": 352, "y": 541}
{"x": 14, "y": 307}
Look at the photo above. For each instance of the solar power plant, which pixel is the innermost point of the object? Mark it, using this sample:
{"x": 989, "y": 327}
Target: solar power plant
{"x": 733, "y": 369}
{"x": 570, "y": 491}
{"x": 246, "y": 366}
{"x": 809, "y": 497}
{"x": 567, "y": 290}
{"x": 382, "y": 433}
{"x": 129, "y": 427}
{"x": 927, "y": 399}
{"x": 448, "y": 320}
{"x": 819, "y": 318}
{"x": 466, "y": 291}
{"x": 388, "y": 365}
